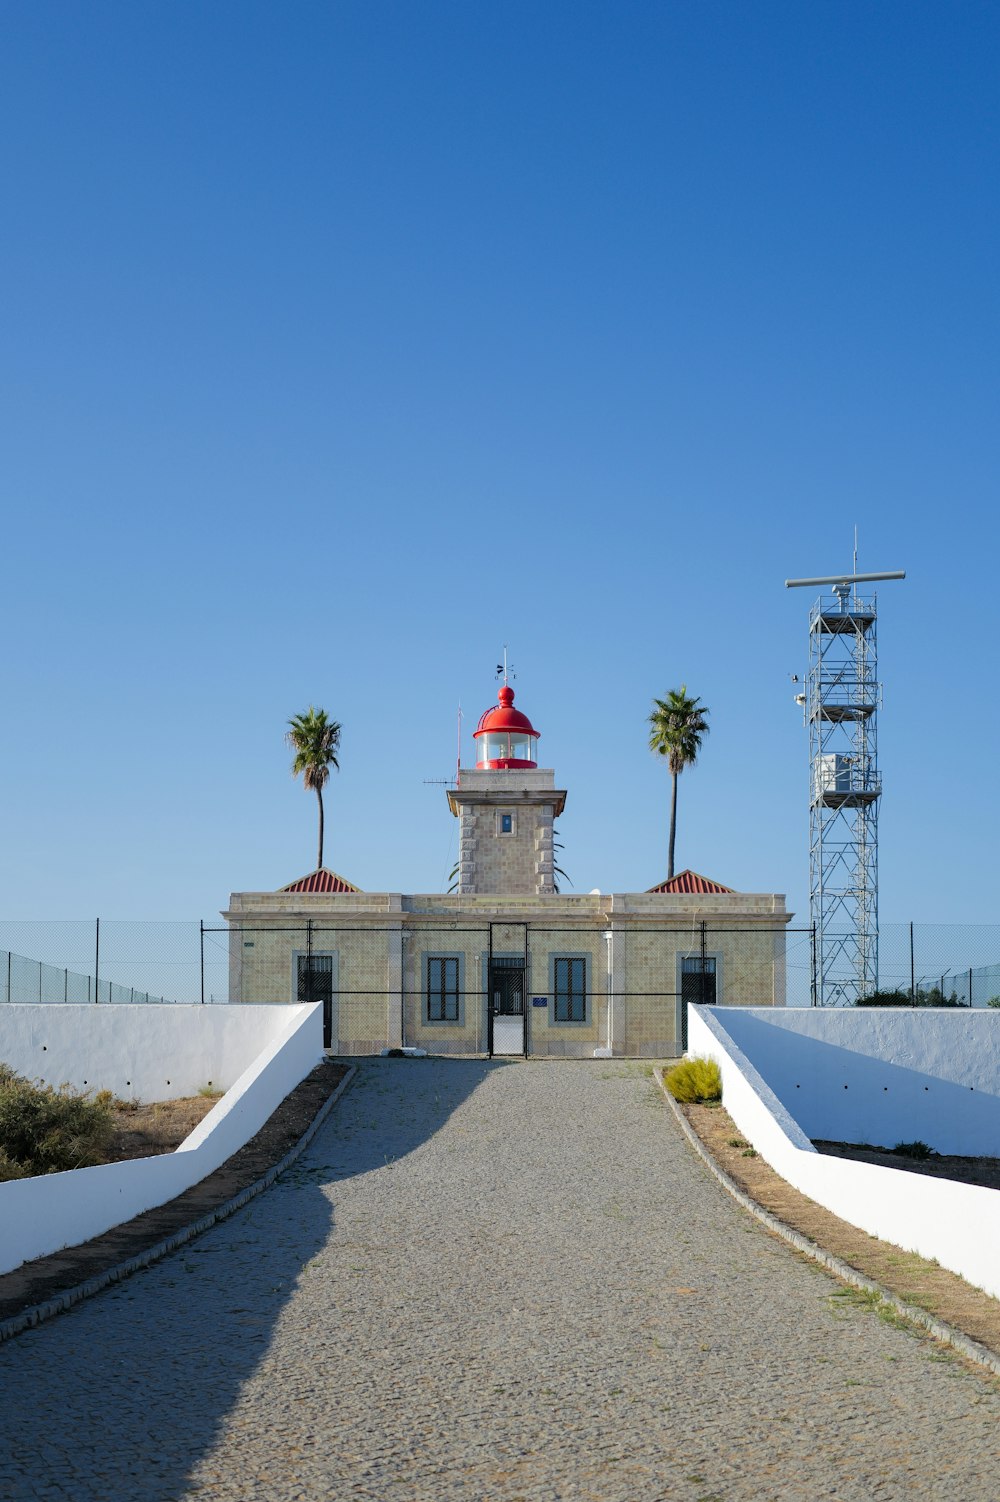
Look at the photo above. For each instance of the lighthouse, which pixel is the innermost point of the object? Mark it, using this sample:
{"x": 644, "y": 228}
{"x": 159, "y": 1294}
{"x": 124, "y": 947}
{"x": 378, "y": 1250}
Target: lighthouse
{"x": 506, "y": 807}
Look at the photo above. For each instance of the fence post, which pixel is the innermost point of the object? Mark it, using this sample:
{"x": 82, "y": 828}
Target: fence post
{"x": 8, "y": 975}
{"x": 66, "y": 984}
{"x": 813, "y": 999}
{"x": 39, "y": 982}
{"x": 913, "y": 977}
{"x": 201, "y": 936}
{"x": 309, "y": 961}
{"x": 970, "y": 985}
{"x": 97, "y": 959}
{"x": 704, "y": 956}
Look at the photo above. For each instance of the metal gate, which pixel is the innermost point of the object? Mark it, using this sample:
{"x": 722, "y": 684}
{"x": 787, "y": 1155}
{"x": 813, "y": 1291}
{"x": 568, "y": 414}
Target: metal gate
{"x": 697, "y": 987}
{"x": 315, "y": 983}
{"x": 506, "y": 982}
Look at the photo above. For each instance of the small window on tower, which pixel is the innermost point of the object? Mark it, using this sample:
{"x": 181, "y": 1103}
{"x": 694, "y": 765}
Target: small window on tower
{"x": 506, "y": 823}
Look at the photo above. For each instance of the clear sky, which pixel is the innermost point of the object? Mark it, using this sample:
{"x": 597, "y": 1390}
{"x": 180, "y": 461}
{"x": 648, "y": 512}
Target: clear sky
{"x": 344, "y": 342}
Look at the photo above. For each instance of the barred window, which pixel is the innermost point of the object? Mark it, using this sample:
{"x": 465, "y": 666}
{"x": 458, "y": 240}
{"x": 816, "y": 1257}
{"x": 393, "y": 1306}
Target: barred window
{"x": 698, "y": 980}
{"x": 442, "y": 988}
{"x": 570, "y": 976}
{"x": 314, "y": 980}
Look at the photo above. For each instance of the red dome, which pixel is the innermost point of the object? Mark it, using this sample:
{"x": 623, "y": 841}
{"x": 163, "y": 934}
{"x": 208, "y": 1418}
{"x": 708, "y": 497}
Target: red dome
{"x": 506, "y": 717}
{"x": 505, "y": 738}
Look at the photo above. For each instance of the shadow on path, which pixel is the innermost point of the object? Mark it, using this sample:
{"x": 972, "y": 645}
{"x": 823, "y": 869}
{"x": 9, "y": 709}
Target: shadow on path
{"x": 118, "y": 1400}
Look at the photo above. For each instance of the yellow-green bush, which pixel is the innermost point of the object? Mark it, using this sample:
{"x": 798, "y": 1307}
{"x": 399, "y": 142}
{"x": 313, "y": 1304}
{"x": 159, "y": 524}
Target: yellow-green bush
{"x": 694, "y": 1080}
{"x": 45, "y": 1130}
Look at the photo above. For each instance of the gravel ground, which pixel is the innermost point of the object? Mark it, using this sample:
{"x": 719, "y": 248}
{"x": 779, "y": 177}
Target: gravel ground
{"x": 49, "y": 1277}
{"x": 489, "y": 1282}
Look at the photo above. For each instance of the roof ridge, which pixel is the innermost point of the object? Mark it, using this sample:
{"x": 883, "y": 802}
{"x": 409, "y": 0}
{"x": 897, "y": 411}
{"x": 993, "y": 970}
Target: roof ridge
{"x": 689, "y": 881}
{"x": 322, "y": 880}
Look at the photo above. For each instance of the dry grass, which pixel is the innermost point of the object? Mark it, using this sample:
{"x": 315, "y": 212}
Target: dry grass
{"x": 144, "y": 1131}
{"x": 52, "y": 1129}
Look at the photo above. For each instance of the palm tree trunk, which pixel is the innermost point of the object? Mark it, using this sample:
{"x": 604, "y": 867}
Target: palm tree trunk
{"x": 319, "y": 858}
{"x": 673, "y": 826}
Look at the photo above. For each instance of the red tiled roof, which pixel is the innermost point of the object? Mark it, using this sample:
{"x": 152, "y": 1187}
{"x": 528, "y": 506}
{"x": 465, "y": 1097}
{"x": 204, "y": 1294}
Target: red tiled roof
{"x": 320, "y": 881}
{"x": 691, "y": 882}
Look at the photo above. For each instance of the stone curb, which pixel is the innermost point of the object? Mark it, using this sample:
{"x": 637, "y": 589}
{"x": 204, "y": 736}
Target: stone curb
{"x": 29, "y": 1318}
{"x": 946, "y": 1333}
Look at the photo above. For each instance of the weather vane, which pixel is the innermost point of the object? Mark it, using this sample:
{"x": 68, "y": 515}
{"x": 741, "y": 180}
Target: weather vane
{"x": 504, "y": 670}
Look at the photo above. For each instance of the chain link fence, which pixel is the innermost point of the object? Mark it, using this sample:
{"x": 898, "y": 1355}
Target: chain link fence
{"x": 102, "y": 961}
{"x": 939, "y": 964}
{"x": 513, "y": 986}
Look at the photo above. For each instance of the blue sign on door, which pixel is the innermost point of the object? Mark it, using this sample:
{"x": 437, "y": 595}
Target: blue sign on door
{"x": 539, "y": 1001}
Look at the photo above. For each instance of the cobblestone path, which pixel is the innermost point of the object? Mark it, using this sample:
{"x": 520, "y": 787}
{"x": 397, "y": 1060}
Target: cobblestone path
{"x": 491, "y": 1282}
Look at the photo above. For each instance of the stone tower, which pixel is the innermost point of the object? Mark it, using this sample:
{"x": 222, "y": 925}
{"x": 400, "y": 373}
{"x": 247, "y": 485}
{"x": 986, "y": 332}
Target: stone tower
{"x": 506, "y": 808}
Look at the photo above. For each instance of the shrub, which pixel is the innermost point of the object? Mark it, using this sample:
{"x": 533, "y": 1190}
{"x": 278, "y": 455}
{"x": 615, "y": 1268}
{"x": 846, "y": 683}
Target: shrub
{"x": 46, "y": 1130}
{"x": 694, "y": 1079}
{"x": 934, "y": 997}
{"x": 11, "y": 1170}
{"x": 916, "y": 1149}
{"x": 885, "y": 999}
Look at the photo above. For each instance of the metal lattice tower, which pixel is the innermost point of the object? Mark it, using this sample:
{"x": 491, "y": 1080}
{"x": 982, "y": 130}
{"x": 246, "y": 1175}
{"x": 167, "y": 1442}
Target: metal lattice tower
{"x": 841, "y": 706}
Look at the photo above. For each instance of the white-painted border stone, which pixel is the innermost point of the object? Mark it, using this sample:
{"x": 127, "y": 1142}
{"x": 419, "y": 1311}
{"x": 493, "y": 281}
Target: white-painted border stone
{"x": 956, "y": 1224}
{"x": 42, "y": 1215}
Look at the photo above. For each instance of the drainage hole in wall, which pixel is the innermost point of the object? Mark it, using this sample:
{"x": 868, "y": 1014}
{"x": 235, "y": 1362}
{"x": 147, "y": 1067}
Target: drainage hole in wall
{"x": 845, "y": 1087}
{"x": 45, "y": 1048}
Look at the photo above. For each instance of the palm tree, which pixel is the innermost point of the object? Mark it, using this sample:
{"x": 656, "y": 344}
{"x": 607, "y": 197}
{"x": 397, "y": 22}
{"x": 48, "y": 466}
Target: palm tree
{"x": 677, "y": 725}
{"x": 315, "y": 741}
{"x": 557, "y": 870}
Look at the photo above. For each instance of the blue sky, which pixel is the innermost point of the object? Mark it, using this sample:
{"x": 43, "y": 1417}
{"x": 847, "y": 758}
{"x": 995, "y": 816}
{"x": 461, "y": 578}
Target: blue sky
{"x": 345, "y": 342}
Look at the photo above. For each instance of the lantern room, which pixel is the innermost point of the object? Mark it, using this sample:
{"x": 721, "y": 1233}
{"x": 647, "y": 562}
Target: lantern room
{"x": 504, "y": 737}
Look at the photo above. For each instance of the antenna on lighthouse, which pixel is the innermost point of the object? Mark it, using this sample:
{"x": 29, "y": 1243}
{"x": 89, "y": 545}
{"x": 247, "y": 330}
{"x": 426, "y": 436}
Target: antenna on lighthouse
{"x": 841, "y": 704}
{"x": 447, "y": 782}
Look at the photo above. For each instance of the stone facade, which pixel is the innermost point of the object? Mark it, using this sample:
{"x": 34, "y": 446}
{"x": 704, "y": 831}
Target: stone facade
{"x": 505, "y": 831}
{"x": 634, "y": 947}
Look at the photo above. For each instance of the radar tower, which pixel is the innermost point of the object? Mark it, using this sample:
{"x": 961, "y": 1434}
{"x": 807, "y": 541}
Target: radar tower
{"x": 841, "y": 704}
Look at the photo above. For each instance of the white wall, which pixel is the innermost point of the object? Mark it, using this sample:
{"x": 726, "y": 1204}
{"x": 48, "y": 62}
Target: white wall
{"x": 42, "y": 1215}
{"x": 150, "y": 1052}
{"x": 881, "y": 1075}
{"x": 957, "y": 1224}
